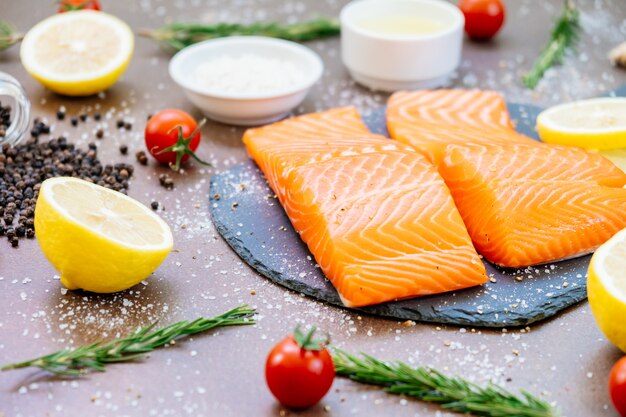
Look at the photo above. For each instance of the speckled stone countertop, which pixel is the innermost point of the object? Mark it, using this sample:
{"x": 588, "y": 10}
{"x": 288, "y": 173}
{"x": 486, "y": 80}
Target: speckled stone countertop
{"x": 565, "y": 359}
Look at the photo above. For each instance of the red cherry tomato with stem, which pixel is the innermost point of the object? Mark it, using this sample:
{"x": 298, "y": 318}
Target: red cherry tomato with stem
{"x": 299, "y": 370}
{"x": 617, "y": 386}
{"x": 71, "y": 5}
{"x": 172, "y": 136}
{"x": 483, "y": 18}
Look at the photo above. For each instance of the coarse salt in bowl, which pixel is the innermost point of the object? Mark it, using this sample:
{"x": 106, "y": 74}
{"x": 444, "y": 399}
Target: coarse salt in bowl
{"x": 246, "y": 80}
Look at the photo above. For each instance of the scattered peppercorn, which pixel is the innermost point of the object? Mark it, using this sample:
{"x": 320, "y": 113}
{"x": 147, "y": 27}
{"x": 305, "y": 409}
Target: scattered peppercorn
{"x": 61, "y": 113}
{"x": 97, "y": 116}
{"x": 128, "y": 126}
{"x": 99, "y": 133}
{"x": 142, "y": 158}
{"x": 25, "y": 166}
{"x": 39, "y": 128}
{"x": 74, "y": 121}
{"x": 120, "y": 123}
{"x": 43, "y": 128}
{"x": 123, "y": 149}
{"x": 166, "y": 181}
{"x": 154, "y": 205}
{"x": 83, "y": 117}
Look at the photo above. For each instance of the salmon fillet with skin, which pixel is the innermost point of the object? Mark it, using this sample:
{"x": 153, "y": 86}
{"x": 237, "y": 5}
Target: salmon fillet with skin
{"x": 374, "y": 213}
{"x": 523, "y": 202}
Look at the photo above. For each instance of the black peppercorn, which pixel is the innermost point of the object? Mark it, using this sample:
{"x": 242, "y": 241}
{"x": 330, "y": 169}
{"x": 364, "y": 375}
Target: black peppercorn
{"x": 23, "y": 167}
{"x": 142, "y": 158}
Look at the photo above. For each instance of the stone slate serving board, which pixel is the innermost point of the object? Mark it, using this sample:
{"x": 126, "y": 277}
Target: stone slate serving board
{"x": 256, "y": 227}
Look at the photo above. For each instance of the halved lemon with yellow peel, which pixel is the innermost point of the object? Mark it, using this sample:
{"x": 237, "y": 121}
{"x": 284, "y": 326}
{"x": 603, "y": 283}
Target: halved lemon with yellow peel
{"x": 98, "y": 239}
{"x": 598, "y": 123}
{"x": 606, "y": 289}
{"x": 78, "y": 53}
{"x": 617, "y": 156}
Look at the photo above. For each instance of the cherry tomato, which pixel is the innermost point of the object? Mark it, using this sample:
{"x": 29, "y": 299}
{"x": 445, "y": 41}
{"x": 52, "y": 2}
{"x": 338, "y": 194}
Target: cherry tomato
{"x": 299, "y": 371}
{"x": 172, "y": 136}
{"x": 483, "y": 18}
{"x": 617, "y": 386}
{"x": 69, "y": 5}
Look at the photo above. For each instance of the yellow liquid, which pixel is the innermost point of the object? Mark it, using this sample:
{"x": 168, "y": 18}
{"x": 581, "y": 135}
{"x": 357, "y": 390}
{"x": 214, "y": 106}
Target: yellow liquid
{"x": 402, "y": 25}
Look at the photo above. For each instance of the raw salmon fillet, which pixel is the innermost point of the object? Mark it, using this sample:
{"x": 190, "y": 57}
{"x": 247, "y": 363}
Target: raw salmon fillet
{"x": 374, "y": 213}
{"x": 523, "y": 202}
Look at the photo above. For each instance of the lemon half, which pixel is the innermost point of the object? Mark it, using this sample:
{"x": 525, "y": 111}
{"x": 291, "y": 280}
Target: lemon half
{"x": 78, "y": 53}
{"x": 98, "y": 239}
{"x": 617, "y": 156}
{"x": 598, "y": 123}
{"x": 606, "y": 288}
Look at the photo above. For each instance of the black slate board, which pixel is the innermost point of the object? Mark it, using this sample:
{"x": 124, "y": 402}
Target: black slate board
{"x": 256, "y": 227}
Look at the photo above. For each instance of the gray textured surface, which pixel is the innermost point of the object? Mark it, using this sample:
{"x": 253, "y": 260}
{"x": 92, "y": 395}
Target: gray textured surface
{"x": 260, "y": 232}
{"x": 566, "y": 360}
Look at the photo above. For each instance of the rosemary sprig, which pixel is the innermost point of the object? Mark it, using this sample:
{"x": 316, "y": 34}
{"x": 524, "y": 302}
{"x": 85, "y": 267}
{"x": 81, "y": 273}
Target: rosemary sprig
{"x": 95, "y": 356}
{"x": 8, "y": 36}
{"x": 564, "y": 35}
{"x": 427, "y": 384}
{"x": 180, "y": 35}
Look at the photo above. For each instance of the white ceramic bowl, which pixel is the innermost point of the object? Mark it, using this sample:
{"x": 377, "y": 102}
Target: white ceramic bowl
{"x": 392, "y": 59}
{"x": 245, "y": 108}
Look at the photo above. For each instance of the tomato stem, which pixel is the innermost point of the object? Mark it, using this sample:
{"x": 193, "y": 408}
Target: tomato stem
{"x": 306, "y": 341}
{"x": 182, "y": 148}
{"x": 74, "y": 7}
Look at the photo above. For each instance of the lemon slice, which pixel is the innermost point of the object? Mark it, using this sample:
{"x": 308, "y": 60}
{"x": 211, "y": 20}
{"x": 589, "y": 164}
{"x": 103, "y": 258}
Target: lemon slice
{"x": 591, "y": 124}
{"x": 606, "y": 288}
{"x": 617, "y": 156}
{"x": 98, "y": 239}
{"x": 78, "y": 53}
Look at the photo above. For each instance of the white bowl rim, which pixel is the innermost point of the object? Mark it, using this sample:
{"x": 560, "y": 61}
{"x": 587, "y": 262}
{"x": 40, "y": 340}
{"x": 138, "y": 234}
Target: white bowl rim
{"x": 303, "y": 51}
{"x": 459, "y": 20}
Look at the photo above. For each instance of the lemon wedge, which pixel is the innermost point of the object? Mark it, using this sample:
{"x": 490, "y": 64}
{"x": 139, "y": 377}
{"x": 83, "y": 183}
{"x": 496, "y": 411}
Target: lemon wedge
{"x": 598, "y": 123}
{"x": 606, "y": 288}
{"x": 98, "y": 239}
{"x": 78, "y": 53}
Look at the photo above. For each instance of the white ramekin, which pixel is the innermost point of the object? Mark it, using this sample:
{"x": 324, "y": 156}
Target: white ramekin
{"x": 245, "y": 109}
{"x": 391, "y": 62}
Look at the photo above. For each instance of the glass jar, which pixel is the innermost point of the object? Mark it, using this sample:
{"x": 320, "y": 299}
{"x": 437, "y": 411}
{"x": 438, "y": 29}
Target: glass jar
{"x": 20, "y": 109}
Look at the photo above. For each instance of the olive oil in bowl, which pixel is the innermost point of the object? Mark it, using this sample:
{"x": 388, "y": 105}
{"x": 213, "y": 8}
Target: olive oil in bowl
{"x": 398, "y": 25}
